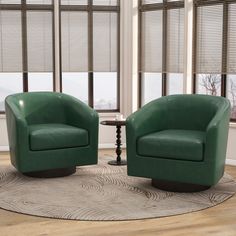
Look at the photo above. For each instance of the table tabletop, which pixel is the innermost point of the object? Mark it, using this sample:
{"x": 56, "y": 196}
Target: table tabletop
{"x": 114, "y": 122}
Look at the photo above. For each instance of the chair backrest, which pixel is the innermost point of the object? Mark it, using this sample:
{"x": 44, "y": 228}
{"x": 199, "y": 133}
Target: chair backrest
{"x": 192, "y": 112}
{"x": 39, "y": 107}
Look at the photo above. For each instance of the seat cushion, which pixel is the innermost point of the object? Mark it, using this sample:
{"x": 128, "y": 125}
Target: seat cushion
{"x": 56, "y": 136}
{"x": 173, "y": 144}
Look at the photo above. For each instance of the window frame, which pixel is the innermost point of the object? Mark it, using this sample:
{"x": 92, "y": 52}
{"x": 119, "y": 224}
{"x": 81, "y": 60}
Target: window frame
{"x": 90, "y": 8}
{"x": 23, "y": 7}
{"x": 164, "y": 6}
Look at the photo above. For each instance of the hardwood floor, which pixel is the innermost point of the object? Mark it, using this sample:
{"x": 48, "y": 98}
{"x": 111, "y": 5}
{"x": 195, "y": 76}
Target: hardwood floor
{"x": 217, "y": 221}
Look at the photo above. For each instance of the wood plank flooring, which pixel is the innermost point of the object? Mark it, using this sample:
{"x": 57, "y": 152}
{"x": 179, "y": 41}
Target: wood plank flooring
{"x": 217, "y": 221}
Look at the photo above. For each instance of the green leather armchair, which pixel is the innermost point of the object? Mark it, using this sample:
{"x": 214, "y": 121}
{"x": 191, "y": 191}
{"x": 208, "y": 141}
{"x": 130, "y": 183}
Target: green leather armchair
{"x": 179, "y": 141}
{"x": 50, "y": 133}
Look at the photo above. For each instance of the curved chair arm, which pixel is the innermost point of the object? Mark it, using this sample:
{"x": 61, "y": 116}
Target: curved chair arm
{"x": 79, "y": 114}
{"x": 150, "y": 118}
{"x": 216, "y": 138}
{"x": 18, "y": 132}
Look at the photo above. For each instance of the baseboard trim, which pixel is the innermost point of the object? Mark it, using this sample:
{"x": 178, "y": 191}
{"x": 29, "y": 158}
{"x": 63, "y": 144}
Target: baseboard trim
{"x": 109, "y": 146}
{"x": 4, "y": 148}
{"x": 231, "y": 162}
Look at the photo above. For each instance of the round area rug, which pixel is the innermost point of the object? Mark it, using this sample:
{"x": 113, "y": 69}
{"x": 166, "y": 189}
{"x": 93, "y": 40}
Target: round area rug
{"x": 100, "y": 193}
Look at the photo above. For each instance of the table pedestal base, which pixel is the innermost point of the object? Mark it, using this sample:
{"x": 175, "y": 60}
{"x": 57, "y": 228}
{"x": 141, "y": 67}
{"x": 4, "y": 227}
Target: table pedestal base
{"x": 118, "y": 163}
{"x": 118, "y": 124}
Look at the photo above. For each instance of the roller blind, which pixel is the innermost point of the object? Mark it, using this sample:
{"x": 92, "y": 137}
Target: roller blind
{"x": 231, "y": 60}
{"x": 151, "y": 41}
{"x": 175, "y": 40}
{"x": 104, "y": 42}
{"x": 209, "y": 39}
{"x": 74, "y": 36}
{"x": 10, "y": 41}
{"x": 39, "y": 41}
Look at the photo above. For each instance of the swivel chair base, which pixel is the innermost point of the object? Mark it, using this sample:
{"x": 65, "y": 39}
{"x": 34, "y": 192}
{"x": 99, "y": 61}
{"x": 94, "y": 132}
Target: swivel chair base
{"x": 54, "y": 173}
{"x": 173, "y": 186}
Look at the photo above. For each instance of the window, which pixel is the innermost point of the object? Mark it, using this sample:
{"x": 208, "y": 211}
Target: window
{"x": 214, "y": 62}
{"x": 90, "y": 52}
{"x": 39, "y": 49}
{"x": 161, "y": 48}
{"x": 89, "y": 49}
{"x": 26, "y": 47}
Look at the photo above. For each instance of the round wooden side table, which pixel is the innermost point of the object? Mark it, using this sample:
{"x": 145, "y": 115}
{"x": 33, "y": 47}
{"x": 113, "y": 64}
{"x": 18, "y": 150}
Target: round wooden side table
{"x": 118, "y": 124}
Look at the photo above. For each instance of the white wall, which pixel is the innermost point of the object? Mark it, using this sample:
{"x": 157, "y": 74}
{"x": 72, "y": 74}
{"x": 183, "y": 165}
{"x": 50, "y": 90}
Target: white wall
{"x": 231, "y": 150}
{"x": 3, "y": 134}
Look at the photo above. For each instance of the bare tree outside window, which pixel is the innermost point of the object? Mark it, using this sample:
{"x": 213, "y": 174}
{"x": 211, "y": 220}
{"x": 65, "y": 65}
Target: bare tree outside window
{"x": 211, "y": 83}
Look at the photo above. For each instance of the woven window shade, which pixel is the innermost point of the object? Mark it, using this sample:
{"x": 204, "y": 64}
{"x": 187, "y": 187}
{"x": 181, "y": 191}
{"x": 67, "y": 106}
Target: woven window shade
{"x": 39, "y": 2}
{"x": 231, "y": 64}
{"x": 152, "y": 41}
{"x": 10, "y": 1}
{"x": 209, "y": 39}
{"x": 151, "y": 1}
{"x": 175, "y": 0}
{"x": 74, "y": 36}
{"x": 39, "y": 41}
{"x": 104, "y": 42}
{"x": 175, "y": 40}
{"x": 74, "y": 2}
{"x": 10, "y": 41}
{"x": 105, "y": 2}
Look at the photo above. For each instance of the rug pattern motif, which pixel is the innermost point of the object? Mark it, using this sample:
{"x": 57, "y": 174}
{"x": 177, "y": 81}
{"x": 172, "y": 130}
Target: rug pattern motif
{"x": 100, "y": 193}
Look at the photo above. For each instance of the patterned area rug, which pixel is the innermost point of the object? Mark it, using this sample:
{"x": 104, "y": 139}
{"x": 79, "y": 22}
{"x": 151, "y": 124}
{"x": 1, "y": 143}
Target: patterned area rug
{"x": 100, "y": 193}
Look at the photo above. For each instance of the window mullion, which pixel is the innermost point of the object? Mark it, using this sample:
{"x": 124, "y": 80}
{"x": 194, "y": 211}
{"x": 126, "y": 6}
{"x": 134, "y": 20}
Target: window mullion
{"x": 140, "y": 57}
{"x": 90, "y": 54}
{"x": 57, "y": 73}
{"x": 24, "y": 46}
{"x": 194, "y": 56}
{"x": 118, "y": 58}
{"x": 224, "y": 49}
{"x": 164, "y": 49}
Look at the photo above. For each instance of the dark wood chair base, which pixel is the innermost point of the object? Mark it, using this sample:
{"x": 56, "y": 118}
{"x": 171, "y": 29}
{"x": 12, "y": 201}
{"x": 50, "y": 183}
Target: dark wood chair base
{"x": 172, "y": 186}
{"x": 55, "y": 173}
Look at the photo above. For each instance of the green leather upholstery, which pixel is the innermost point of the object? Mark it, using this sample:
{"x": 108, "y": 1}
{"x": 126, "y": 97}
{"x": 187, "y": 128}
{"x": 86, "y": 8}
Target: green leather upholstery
{"x": 49, "y": 130}
{"x": 180, "y": 138}
{"x": 174, "y": 144}
{"x": 53, "y": 136}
